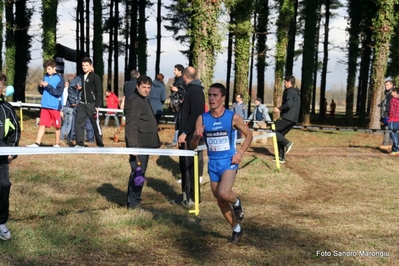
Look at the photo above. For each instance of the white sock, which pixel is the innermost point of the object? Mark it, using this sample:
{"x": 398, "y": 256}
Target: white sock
{"x": 237, "y": 203}
{"x": 237, "y": 228}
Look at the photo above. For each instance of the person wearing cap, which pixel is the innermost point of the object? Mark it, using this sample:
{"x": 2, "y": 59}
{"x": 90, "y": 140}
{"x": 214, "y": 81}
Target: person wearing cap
{"x": 260, "y": 114}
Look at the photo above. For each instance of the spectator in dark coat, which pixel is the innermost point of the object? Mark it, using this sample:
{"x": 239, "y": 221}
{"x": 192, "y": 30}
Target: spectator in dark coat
{"x": 192, "y": 107}
{"x": 289, "y": 115}
{"x": 157, "y": 96}
{"x": 141, "y": 131}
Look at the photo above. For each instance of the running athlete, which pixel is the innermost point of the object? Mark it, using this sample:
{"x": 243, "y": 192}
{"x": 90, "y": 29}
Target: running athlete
{"x": 219, "y": 128}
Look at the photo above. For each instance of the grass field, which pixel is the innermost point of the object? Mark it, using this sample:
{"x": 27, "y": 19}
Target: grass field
{"x": 332, "y": 202}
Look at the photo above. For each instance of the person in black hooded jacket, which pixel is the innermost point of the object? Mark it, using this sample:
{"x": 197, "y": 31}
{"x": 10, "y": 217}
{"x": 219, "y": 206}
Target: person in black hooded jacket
{"x": 289, "y": 115}
{"x": 10, "y": 134}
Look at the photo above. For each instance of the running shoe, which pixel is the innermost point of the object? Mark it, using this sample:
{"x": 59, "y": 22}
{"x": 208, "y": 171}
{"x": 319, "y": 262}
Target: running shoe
{"x": 236, "y": 236}
{"x": 34, "y": 145}
{"x": 4, "y": 233}
{"x": 239, "y": 213}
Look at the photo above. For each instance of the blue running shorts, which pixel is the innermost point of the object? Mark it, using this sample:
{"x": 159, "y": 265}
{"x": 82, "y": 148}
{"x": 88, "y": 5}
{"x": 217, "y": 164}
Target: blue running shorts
{"x": 217, "y": 167}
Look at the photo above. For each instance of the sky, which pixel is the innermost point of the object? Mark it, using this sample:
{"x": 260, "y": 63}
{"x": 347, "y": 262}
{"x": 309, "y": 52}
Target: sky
{"x": 171, "y": 55}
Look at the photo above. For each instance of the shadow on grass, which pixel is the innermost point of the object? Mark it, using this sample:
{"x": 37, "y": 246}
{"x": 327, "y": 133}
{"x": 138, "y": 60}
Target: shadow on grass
{"x": 161, "y": 186}
{"x": 262, "y": 150}
{"x": 167, "y": 163}
{"x": 112, "y": 194}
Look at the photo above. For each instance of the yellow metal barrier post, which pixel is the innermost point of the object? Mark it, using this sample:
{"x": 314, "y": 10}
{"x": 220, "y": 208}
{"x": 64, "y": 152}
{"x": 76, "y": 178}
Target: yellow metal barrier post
{"x": 21, "y": 117}
{"x": 196, "y": 186}
{"x": 275, "y": 147}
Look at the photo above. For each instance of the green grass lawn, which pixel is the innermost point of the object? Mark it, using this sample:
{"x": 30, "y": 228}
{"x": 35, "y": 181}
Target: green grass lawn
{"x": 336, "y": 195}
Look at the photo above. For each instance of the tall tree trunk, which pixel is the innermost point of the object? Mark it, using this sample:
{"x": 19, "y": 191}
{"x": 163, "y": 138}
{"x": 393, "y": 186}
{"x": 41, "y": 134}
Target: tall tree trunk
{"x": 393, "y": 63}
{"x": 87, "y": 27}
{"x": 82, "y": 30}
{"x": 285, "y": 16}
{"x": 10, "y": 41}
{"x": 49, "y": 25}
{"x": 206, "y": 38}
{"x": 142, "y": 38}
{"x": 111, "y": 44}
{"x": 2, "y": 5}
{"x": 364, "y": 76}
{"x": 23, "y": 16}
{"x": 353, "y": 55}
{"x": 289, "y": 64}
{"x": 316, "y": 61}
{"x": 243, "y": 29}
{"x": 383, "y": 26}
{"x": 308, "y": 65}
{"x": 251, "y": 65}
{"x": 261, "y": 32}
{"x": 98, "y": 50}
{"x": 323, "y": 110}
{"x": 116, "y": 48}
{"x": 79, "y": 9}
{"x": 127, "y": 32}
{"x": 229, "y": 63}
{"x": 133, "y": 38}
{"x": 159, "y": 37}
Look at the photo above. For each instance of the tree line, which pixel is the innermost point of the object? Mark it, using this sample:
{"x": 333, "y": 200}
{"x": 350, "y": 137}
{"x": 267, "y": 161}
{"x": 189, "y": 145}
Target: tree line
{"x": 200, "y": 25}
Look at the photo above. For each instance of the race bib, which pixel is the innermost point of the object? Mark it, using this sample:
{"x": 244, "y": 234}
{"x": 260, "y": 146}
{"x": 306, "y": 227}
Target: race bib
{"x": 218, "y": 141}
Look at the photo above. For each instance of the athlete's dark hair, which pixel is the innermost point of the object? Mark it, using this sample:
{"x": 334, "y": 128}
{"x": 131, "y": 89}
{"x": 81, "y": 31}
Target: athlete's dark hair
{"x": 219, "y": 86}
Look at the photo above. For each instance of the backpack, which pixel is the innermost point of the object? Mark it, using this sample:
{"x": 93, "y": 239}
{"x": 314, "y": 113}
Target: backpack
{"x": 176, "y": 100}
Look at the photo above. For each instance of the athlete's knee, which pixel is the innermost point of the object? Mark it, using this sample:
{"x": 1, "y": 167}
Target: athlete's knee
{"x": 224, "y": 195}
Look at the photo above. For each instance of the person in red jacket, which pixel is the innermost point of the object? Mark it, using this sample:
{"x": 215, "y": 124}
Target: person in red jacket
{"x": 112, "y": 103}
{"x": 393, "y": 120}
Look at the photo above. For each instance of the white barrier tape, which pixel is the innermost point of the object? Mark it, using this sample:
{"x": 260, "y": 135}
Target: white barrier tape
{"x": 257, "y": 137}
{"x": 35, "y": 106}
{"x": 90, "y": 150}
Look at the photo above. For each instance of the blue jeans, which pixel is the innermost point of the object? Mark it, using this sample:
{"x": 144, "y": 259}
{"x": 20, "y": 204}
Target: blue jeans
{"x": 67, "y": 123}
{"x": 89, "y": 130}
{"x": 394, "y": 135}
{"x": 175, "y": 137}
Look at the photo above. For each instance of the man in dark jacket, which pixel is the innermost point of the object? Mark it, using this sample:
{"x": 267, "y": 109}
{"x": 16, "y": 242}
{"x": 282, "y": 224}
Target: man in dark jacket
{"x": 192, "y": 107}
{"x": 90, "y": 101}
{"x": 141, "y": 131}
{"x": 178, "y": 89}
{"x": 289, "y": 115}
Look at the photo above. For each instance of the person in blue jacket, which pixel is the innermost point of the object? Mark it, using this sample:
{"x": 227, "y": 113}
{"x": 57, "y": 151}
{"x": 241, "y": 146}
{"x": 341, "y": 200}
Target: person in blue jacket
{"x": 51, "y": 88}
{"x": 157, "y": 96}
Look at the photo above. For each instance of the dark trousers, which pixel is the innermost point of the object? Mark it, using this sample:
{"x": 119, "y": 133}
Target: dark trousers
{"x": 5, "y": 186}
{"x": 134, "y": 192}
{"x": 87, "y": 110}
{"x": 187, "y": 170}
{"x": 282, "y": 128}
